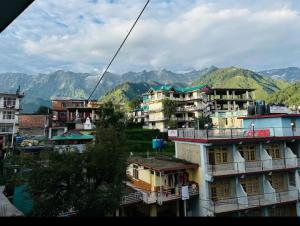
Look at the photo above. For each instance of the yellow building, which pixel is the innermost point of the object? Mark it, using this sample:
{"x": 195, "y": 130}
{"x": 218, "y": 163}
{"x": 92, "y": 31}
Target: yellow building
{"x": 191, "y": 102}
{"x": 161, "y": 181}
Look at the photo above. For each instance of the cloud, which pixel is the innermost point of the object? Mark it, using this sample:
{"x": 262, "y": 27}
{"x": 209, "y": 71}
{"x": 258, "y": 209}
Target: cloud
{"x": 178, "y": 35}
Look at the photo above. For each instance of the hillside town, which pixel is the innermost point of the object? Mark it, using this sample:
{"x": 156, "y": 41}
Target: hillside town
{"x": 190, "y": 109}
{"x": 242, "y": 160}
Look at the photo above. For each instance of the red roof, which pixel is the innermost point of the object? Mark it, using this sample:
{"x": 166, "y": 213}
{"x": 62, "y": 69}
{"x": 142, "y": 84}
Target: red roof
{"x": 270, "y": 116}
{"x": 32, "y": 121}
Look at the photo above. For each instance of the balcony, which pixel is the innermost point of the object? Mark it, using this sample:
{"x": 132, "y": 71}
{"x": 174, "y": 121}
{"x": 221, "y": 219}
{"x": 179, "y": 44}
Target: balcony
{"x": 242, "y": 167}
{"x": 236, "y": 133}
{"x": 252, "y": 201}
{"x": 160, "y": 198}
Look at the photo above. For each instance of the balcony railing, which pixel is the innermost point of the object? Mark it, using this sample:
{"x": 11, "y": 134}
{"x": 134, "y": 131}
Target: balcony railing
{"x": 235, "y": 133}
{"x": 252, "y": 166}
{"x": 132, "y": 198}
{"x": 252, "y": 201}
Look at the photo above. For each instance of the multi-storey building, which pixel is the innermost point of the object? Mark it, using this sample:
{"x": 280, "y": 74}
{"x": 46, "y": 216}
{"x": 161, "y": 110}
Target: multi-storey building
{"x": 224, "y": 105}
{"x": 69, "y": 113}
{"x": 229, "y": 104}
{"x": 158, "y": 185}
{"x": 249, "y": 171}
{"x": 191, "y": 102}
{"x": 10, "y": 108}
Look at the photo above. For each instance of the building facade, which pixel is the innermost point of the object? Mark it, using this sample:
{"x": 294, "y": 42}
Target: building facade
{"x": 191, "y": 103}
{"x": 249, "y": 171}
{"x": 34, "y": 125}
{"x": 10, "y": 107}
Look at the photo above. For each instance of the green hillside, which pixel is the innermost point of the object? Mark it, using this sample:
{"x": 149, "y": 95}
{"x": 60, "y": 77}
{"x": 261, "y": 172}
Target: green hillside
{"x": 127, "y": 91}
{"x": 289, "y": 95}
{"x": 241, "y": 78}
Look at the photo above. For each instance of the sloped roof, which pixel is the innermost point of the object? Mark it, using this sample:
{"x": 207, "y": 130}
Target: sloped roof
{"x": 32, "y": 121}
{"x": 73, "y": 135}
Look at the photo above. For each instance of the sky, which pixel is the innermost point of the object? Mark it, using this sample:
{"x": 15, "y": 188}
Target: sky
{"x": 178, "y": 35}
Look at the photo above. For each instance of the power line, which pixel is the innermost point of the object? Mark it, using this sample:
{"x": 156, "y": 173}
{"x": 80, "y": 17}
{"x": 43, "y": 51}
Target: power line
{"x": 112, "y": 60}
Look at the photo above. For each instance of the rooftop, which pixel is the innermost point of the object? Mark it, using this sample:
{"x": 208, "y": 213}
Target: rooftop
{"x": 73, "y": 135}
{"x": 163, "y": 164}
{"x": 179, "y": 89}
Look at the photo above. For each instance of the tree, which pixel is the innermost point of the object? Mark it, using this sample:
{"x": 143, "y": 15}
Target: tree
{"x": 202, "y": 121}
{"x": 90, "y": 183}
{"x": 106, "y": 167}
{"x": 169, "y": 107}
{"x": 133, "y": 104}
{"x": 43, "y": 110}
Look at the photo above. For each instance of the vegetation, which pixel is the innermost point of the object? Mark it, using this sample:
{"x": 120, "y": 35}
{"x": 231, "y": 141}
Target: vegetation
{"x": 169, "y": 107}
{"x": 202, "y": 121}
{"x": 127, "y": 94}
{"x": 43, "y": 110}
{"x": 240, "y": 78}
{"x": 90, "y": 183}
{"x": 289, "y": 95}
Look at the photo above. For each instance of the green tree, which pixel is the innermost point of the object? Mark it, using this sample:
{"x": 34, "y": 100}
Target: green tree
{"x": 106, "y": 169}
{"x": 43, "y": 110}
{"x": 169, "y": 107}
{"x": 202, "y": 121}
{"x": 90, "y": 183}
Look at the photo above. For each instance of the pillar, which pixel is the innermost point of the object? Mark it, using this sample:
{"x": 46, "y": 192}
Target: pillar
{"x": 298, "y": 209}
{"x": 177, "y": 208}
{"x": 153, "y": 210}
{"x": 117, "y": 212}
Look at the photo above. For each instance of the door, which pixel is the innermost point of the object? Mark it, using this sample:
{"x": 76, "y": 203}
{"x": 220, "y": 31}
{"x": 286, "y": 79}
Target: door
{"x": 274, "y": 151}
{"x": 251, "y": 185}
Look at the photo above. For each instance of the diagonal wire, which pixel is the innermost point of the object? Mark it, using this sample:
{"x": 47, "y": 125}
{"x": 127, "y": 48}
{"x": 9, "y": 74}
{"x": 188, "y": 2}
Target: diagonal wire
{"x": 112, "y": 60}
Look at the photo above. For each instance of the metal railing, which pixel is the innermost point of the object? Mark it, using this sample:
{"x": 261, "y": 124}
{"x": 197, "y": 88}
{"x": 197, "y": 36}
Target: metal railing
{"x": 251, "y": 166}
{"x": 258, "y": 200}
{"x": 132, "y": 198}
{"x": 237, "y": 133}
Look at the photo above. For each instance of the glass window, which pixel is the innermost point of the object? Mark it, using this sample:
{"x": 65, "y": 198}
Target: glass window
{"x": 8, "y": 115}
{"x": 9, "y": 102}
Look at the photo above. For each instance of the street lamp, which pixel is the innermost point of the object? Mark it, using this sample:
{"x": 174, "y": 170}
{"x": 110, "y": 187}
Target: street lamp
{"x": 252, "y": 125}
{"x": 293, "y": 128}
{"x": 206, "y": 127}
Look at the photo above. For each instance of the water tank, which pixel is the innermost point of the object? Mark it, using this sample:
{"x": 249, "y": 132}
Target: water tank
{"x": 251, "y": 110}
{"x": 157, "y": 143}
{"x": 260, "y": 109}
{"x": 268, "y": 109}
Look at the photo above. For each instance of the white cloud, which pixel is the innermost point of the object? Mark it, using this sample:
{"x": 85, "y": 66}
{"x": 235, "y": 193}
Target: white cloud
{"x": 81, "y": 36}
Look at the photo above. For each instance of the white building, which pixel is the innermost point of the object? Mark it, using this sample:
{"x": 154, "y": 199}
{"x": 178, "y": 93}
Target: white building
{"x": 10, "y": 107}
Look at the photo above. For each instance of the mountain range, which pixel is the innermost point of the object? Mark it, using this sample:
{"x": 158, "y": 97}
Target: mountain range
{"x": 39, "y": 89}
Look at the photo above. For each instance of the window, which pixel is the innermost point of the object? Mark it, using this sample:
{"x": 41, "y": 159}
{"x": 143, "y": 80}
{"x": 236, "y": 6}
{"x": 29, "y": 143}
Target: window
{"x": 153, "y": 123}
{"x": 247, "y": 152}
{"x": 8, "y": 115}
{"x": 251, "y": 185}
{"x": 9, "y": 102}
{"x": 274, "y": 151}
{"x": 64, "y": 105}
{"x": 6, "y": 128}
{"x": 220, "y": 190}
{"x": 218, "y": 155}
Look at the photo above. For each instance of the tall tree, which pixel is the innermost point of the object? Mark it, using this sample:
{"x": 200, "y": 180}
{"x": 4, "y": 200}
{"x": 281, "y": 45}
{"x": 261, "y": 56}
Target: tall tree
{"x": 90, "y": 183}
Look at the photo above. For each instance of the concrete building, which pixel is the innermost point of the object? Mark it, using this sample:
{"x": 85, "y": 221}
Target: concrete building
{"x": 192, "y": 102}
{"x": 158, "y": 185}
{"x": 10, "y": 107}
{"x": 71, "y": 114}
{"x": 34, "y": 125}
{"x": 248, "y": 171}
{"x": 230, "y": 104}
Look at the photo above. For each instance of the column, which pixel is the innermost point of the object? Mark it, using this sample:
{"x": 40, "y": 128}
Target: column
{"x": 177, "y": 208}
{"x": 215, "y": 94}
{"x": 153, "y": 210}
{"x": 93, "y": 115}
